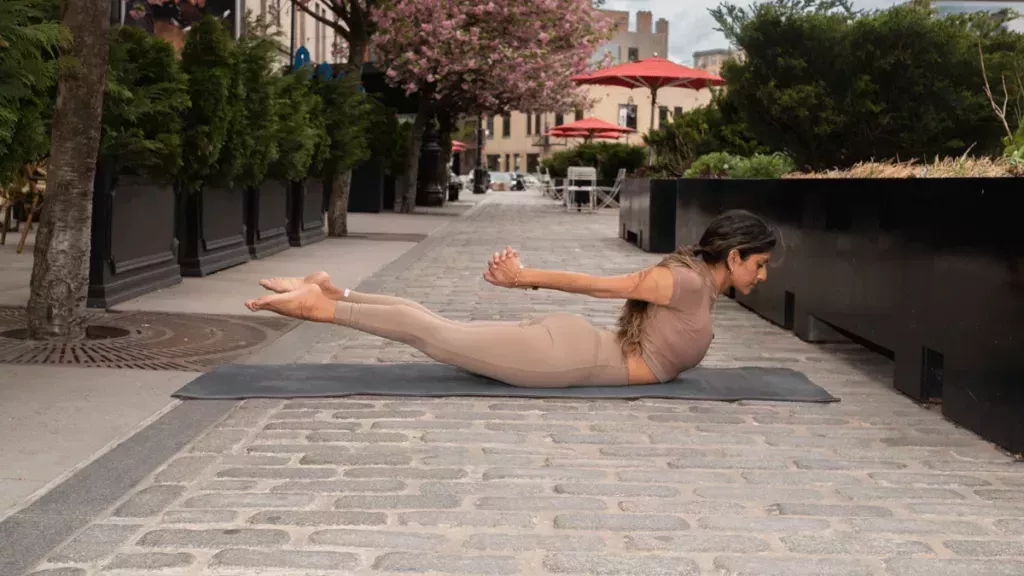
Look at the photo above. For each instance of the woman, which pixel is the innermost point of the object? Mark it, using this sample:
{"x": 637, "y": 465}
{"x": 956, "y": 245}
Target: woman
{"x": 665, "y": 327}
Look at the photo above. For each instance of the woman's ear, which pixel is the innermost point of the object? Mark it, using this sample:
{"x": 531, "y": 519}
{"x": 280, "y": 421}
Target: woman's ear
{"x": 733, "y": 259}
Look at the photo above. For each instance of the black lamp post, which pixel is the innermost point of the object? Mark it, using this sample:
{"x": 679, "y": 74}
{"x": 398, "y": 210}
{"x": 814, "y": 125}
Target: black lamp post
{"x": 429, "y": 191}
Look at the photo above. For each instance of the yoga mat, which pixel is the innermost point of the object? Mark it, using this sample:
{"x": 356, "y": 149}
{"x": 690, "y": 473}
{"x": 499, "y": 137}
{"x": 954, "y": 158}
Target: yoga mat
{"x": 240, "y": 381}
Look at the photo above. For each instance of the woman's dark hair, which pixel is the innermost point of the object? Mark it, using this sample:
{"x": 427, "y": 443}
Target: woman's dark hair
{"x": 738, "y": 230}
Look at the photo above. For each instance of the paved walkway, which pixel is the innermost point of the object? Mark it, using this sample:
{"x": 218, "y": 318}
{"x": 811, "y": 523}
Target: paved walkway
{"x": 872, "y": 485}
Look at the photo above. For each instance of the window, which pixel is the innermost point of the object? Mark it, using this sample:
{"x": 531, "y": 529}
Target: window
{"x": 493, "y": 161}
{"x": 678, "y": 111}
{"x": 536, "y": 124}
{"x": 508, "y": 162}
{"x": 529, "y": 124}
{"x": 490, "y": 127}
{"x": 634, "y": 54}
{"x": 506, "y": 128}
{"x": 559, "y": 119}
{"x": 579, "y": 114}
{"x": 627, "y": 115}
{"x": 533, "y": 163}
{"x": 515, "y": 166}
{"x": 662, "y": 115}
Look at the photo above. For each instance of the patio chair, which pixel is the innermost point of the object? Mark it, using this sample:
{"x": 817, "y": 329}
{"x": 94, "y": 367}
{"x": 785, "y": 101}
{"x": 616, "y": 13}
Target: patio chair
{"x": 606, "y": 194}
{"x": 581, "y": 187}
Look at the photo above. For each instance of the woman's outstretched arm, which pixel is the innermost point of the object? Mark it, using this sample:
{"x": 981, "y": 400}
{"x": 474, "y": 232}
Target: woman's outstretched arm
{"x": 652, "y": 284}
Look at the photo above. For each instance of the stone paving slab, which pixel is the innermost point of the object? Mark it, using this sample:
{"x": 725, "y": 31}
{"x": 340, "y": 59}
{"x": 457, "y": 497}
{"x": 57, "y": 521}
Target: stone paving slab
{"x": 873, "y": 485}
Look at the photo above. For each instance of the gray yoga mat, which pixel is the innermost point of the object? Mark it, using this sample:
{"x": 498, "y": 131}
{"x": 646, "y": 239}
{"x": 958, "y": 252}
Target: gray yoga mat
{"x": 240, "y": 381}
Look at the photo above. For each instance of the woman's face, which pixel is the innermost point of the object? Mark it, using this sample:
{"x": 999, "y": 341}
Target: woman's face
{"x": 747, "y": 273}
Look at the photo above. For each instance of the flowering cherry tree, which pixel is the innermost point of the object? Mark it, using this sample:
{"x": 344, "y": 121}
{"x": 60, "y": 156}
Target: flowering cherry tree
{"x": 486, "y": 58}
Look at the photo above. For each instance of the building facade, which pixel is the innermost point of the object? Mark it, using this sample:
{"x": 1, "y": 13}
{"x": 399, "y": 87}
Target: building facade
{"x": 713, "y": 60}
{"x": 171, "y": 23}
{"x": 516, "y": 142}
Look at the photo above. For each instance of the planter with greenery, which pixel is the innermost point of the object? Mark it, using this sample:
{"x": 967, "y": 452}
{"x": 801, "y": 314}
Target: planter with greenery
{"x": 257, "y": 145}
{"x": 134, "y": 250}
{"x": 347, "y": 114}
{"x": 905, "y": 258}
{"x": 210, "y": 215}
{"x": 374, "y": 178}
{"x": 302, "y": 145}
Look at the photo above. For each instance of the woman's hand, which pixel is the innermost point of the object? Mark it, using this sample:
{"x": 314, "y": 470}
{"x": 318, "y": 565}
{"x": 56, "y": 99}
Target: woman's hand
{"x": 503, "y": 268}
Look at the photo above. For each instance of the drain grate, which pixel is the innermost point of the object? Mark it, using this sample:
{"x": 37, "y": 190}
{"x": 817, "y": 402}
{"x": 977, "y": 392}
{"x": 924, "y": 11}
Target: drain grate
{"x": 145, "y": 340}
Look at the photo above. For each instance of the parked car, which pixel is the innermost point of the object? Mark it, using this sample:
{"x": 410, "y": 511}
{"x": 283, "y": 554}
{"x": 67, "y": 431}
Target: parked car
{"x": 501, "y": 181}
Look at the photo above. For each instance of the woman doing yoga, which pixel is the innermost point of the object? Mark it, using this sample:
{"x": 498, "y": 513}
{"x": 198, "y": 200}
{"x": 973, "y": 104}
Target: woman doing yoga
{"x": 665, "y": 327}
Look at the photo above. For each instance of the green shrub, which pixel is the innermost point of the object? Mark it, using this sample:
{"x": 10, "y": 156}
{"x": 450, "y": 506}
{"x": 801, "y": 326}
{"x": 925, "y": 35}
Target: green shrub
{"x": 253, "y": 144}
{"x": 724, "y": 165}
{"x": 347, "y": 115}
{"x": 301, "y": 137}
{"x": 607, "y": 157}
{"x": 387, "y": 137}
{"x": 146, "y": 95}
{"x": 715, "y": 127}
{"x": 833, "y": 86}
{"x": 210, "y": 60}
{"x": 31, "y": 37}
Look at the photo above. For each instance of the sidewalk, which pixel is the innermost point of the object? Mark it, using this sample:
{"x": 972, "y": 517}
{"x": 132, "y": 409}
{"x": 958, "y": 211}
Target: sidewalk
{"x": 868, "y": 486}
{"x": 56, "y": 419}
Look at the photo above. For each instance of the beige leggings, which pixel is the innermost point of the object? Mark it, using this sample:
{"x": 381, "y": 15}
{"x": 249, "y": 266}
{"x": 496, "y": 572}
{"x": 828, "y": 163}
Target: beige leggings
{"x": 558, "y": 350}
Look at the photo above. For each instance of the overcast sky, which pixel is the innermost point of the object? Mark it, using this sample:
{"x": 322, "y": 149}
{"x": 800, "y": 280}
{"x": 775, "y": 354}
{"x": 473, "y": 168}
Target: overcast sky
{"x": 690, "y": 26}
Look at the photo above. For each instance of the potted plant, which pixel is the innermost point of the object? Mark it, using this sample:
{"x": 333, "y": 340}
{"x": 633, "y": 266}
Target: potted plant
{"x": 303, "y": 146}
{"x": 134, "y": 250}
{"x": 346, "y": 115}
{"x": 256, "y": 146}
{"x": 211, "y": 228}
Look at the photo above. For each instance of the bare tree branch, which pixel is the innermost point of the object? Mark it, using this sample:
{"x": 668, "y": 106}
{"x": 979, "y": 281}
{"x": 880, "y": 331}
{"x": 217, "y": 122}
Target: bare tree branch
{"x": 336, "y": 26}
{"x": 1001, "y": 113}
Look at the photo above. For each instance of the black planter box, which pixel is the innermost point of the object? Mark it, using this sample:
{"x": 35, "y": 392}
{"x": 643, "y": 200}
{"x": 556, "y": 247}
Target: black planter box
{"x": 367, "y": 191}
{"x": 134, "y": 251}
{"x": 305, "y": 212}
{"x": 927, "y": 271}
{"x": 211, "y": 230}
{"x": 647, "y": 214}
{"x": 266, "y": 219}
{"x": 391, "y": 187}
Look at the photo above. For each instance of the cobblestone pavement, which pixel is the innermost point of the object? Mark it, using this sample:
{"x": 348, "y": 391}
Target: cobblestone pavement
{"x": 872, "y": 485}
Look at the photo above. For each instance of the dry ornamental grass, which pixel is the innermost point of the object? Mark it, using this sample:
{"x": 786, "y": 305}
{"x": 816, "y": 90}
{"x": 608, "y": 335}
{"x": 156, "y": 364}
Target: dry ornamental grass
{"x": 950, "y": 167}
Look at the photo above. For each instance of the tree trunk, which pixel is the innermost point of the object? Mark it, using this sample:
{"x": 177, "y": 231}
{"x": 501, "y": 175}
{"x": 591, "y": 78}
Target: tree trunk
{"x": 60, "y": 270}
{"x": 412, "y": 154}
{"x": 445, "y": 125}
{"x": 337, "y": 216}
{"x": 337, "y": 212}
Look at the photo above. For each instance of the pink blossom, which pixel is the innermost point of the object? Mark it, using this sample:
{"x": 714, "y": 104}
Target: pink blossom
{"x": 480, "y": 58}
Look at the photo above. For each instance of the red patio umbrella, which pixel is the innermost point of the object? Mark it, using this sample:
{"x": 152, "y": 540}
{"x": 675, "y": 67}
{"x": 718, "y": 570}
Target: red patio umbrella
{"x": 588, "y": 127}
{"x": 652, "y": 73}
{"x": 606, "y": 135}
{"x": 459, "y": 146}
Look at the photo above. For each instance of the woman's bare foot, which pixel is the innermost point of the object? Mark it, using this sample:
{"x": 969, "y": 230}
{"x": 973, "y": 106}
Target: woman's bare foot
{"x": 321, "y": 279}
{"x": 307, "y": 302}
